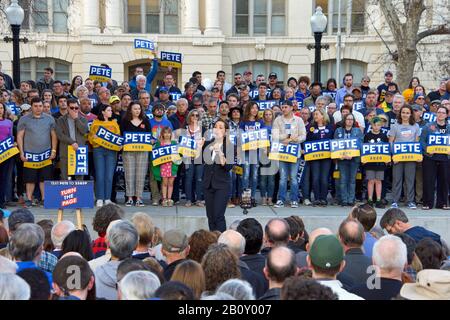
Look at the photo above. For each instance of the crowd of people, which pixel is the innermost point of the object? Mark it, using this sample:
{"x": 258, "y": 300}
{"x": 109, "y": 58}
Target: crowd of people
{"x": 135, "y": 260}
{"x": 48, "y": 117}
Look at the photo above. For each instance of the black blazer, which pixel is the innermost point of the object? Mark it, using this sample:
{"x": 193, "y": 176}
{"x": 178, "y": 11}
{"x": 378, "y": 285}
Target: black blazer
{"x": 215, "y": 175}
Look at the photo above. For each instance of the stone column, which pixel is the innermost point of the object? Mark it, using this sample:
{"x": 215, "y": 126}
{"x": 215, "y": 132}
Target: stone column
{"x": 91, "y": 16}
{"x": 212, "y": 18}
{"x": 113, "y": 16}
{"x": 191, "y": 23}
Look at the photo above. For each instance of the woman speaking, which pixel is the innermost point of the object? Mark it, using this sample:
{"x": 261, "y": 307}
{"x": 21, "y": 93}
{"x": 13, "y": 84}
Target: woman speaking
{"x": 216, "y": 176}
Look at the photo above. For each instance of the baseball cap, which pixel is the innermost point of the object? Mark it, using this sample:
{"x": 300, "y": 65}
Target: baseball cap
{"x": 416, "y": 107}
{"x": 431, "y": 284}
{"x": 214, "y": 89}
{"x": 163, "y": 89}
{"x": 383, "y": 117}
{"x": 357, "y": 88}
{"x": 418, "y": 95}
{"x": 389, "y": 93}
{"x": 243, "y": 87}
{"x": 114, "y": 99}
{"x": 436, "y": 101}
{"x": 376, "y": 119}
{"x": 25, "y": 107}
{"x": 246, "y": 72}
{"x": 158, "y": 106}
{"x": 388, "y": 73}
{"x": 273, "y": 75}
{"x": 175, "y": 241}
{"x": 65, "y": 82}
{"x": 326, "y": 252}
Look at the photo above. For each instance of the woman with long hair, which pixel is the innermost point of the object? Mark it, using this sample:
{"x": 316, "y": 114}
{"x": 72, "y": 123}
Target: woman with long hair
{"x": 135, "y": 163}
{"x": 191, "y": 274}
{"x": 408, "y": 93}
{"x": 405, "y": 130}
{"x": 76, "y": 82}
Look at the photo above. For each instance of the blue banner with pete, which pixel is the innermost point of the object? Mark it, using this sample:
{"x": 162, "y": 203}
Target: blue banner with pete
{"x": 375, "y": 152}
{"x": 144, "y": 46}
{"x": 77, "y": 161}
{"x": 102, "y": 74}
{"x": 108, "y": 139}
{"x": 69, "y": 194}
{"x": 317, "y": 150}
{"x": 187, "y": 146}
{"x": 15, "y": 110}
{"x": 253, "y": 140}
{"x": 137, "y": 141}
{"x": 285, "y": 153}
{"x": 345, "y": 147}
{"x": 438, "y": 143}
{"x": 37, "y": 160}
{"x": 429, "y": 117}
{"x": 165, "y": 154}
{"x": 7, "y": 149}
{"x": 171, "y": 59}
{"x": 264, "y": 105}
{"x": 407, "y": 151}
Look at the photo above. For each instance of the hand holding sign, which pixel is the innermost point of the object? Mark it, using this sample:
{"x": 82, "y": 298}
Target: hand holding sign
{"x": 75, "y": 146}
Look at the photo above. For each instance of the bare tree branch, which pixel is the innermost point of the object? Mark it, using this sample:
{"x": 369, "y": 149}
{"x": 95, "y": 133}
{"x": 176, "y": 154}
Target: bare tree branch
{"x": 392, "y": 18}
{"x": 439, "y": 30}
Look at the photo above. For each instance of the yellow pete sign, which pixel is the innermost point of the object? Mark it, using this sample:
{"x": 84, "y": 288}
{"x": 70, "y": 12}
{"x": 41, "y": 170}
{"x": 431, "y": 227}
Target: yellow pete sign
{"x": 37, "y": 160}
{"x": 7, "y": 149}
{"x": 438, "y": 143}
{"x": 238, "y": 170}
{"x": 137, "y": 141}
{"x": 108, "y": 139}
{"x": 344, "y": 147}
{"x": 165, "y": 154}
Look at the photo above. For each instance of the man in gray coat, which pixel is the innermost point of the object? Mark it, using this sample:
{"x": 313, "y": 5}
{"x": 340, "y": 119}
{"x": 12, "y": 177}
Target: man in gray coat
{"x": 71, "y": 130}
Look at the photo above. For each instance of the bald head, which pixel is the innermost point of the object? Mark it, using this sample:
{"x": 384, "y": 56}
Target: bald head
{"x": 280, "y": 264}
{"x": 351, "y": 233}
{"x": 277, "y": 232}
{"x": 72, "y": 254}
{"x": 234, "y": 241}
{"x": 60, "y": 232}
{"x": 315, "y": 233}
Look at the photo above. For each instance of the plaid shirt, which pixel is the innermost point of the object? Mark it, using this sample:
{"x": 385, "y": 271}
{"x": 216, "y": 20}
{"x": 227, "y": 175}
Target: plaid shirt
{"x": 99, "y": 245}
{"x": 207, "y": 120}
{"x": 48, "y": 261}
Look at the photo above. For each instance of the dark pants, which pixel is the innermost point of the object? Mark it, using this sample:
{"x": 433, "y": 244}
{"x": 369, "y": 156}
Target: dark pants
{"x": 216, "y": 204}
{"x": 435, "y": 174}
{"x": 4, "y": 180}
{"x": 321, "y": 169}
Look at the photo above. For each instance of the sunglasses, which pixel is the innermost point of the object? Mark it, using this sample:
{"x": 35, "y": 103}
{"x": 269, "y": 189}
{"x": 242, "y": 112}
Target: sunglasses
{"x": 74, "y": 108}
{"x": 196, "y": 115}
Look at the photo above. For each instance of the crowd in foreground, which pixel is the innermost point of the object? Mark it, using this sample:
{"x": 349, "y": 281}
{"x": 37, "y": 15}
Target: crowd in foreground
{"x": 134, "y": 260}
{"x": 47, "y": 117}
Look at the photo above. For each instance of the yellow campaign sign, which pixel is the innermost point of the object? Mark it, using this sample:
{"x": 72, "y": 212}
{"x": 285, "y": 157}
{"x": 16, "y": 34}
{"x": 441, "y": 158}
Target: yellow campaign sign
{"x": 438, "y": 149}
{"x": 238, "y": 170}
{"x": 136, "y": 147}
{"x": 405, "y": 157}
{"x": 283, "y": 157}
{"x": 371, "y": 158}
{"x": 169, "y": 158}
{"x": 171, "y": 64}
{"x": 8, "y": 154}
{"x": 107, "y": 145}
{"x": 171, "y": 59}
{"x": 255, "y": 145}
{"x": 317, "y": 155}
{"x": 7, "y": 149}
{"x": 338, "y": 154}
{"x": 187, "y": 152}
{"x": 37, "y": 165}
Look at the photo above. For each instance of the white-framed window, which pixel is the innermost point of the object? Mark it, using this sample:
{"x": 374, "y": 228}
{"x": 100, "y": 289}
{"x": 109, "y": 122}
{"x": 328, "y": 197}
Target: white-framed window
{"x": 260, "y": 17}
{"x": 264, "y": 68}
{"x": 33, "y": 69}
{"x": 352, "y": 15}
{"x": 152, "y": 16}
{"x": 45, "y": 15}
{"x": 328, "y": 70}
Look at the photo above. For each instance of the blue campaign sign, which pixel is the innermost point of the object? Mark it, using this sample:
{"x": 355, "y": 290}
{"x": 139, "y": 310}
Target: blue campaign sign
{"x": 145, "y": 46}
{"x": 264, "y": 105}
{"x": 99, "y": 73}
{"x": 13, "y": 108}
{"x": 71, "y": 194}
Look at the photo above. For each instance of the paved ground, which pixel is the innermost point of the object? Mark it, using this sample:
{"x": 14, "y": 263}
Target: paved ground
{"x": 194, "y": 218}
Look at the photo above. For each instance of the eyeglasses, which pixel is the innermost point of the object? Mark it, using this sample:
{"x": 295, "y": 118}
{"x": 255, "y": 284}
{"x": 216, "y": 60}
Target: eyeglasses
{"x": 195, "y": 115}
{"x": 74, "y": 108}
{"x": 348, "y": 100}
{"x": 420, "y": 98}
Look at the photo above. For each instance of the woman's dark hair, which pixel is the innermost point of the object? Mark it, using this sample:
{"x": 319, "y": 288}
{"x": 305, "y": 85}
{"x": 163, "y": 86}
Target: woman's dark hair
{"x": 224, "y": 122}
{"x": 247, "y": 109}
{"x": 411, "y": 117}
{"x": 253, "y": 233}
{"x": 47, "y": 226}
{"x": 129, "y": 114}
{"x": 53, "y": 102}
{"x": 4, "y": 238}
{"x": 78, "y": 241}
{"x": 430, "y": 253}
{"x": 331, "y": 80}
{"x": 410, "y": 82}
{"x": 366, "y": 215}
{"x": 72, "y": 85}
{"x": 5, "y": 110}
{"x": 199, "y": 243}
{"x": 423, "y": 88}
{"x": 304, "y": 79}
{"x": 344, "y": 119}
{"x": 104, "y": 216}
{"x": 100, "y": 112}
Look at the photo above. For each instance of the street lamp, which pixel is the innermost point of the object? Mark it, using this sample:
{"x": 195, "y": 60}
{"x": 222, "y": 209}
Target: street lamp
{"x": 318, "y": 25}
{"x": 15, "y": 16}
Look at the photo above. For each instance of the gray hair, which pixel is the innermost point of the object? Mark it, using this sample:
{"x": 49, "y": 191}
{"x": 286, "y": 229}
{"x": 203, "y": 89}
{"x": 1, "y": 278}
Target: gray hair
{"x": 218, "y": 296}
{"x": 322, "y": 98}
{"x": 239, "y": 289}
{"x": 234, "y": 241}
{"x": 123, "y": 239}
{"x": 60, "y": 232}
{"x": 13, "y": 287}
{"x": 179, "y": 101}
{"x": 26, "y": 242}
{"x": 389, "y": 253}
{"x": 235, "y": 224}
{"x": 140, "y": 76}
{"x": 139, "y": 285}
{"x": 80, "y": 87}
{"x": 399, "y": 96}
{"x": 7, "y": 266}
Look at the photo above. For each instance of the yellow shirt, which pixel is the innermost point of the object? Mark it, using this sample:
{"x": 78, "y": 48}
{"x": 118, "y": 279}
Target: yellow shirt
{"x": 112, "y": 126}
{"x": 409, "y": 95}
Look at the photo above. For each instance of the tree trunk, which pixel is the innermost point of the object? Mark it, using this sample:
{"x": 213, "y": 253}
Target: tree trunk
{"x": 405, "y": 66}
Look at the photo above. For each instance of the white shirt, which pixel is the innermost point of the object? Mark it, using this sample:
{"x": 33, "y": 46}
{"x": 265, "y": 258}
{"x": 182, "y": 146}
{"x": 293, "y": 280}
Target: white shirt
{"x": 358, "y": 117}
{"x": 336, "y": 286}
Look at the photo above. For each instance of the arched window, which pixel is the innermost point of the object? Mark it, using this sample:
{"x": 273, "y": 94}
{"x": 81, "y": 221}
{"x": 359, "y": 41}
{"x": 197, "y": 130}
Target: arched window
{"x": 260, "y": 17}
{"x": 328, "y": 70}
{"x": 33, "y": 69}
{"x": 152, "y": 16}
{"x": 262, "y": 67}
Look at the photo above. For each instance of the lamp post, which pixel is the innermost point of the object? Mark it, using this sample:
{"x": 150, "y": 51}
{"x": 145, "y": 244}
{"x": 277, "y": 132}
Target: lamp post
{"x": 15, "y": 16}
{"x": 318, "y": 25}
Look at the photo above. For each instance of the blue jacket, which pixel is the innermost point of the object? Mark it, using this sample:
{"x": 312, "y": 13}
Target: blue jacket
{"x": 150, "y": 76}
{"x": 432, "y": 128}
